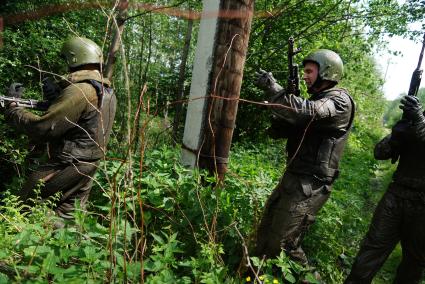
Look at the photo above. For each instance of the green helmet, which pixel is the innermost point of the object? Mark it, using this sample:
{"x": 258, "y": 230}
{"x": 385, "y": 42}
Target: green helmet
{"x": 80, "y": 51}
{"x": 330, "y": 64}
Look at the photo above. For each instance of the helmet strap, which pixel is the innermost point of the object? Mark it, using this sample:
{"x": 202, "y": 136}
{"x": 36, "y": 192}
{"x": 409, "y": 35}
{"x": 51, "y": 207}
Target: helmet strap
{"x": 319, "y": 85}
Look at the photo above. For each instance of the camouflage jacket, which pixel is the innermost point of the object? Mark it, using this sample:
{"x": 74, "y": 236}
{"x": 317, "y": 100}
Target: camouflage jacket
{"x": 78, "y": 122}
{"x": 316, "y": 128}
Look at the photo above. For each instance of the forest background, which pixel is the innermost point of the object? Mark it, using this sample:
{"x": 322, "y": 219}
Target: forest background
{"x": 152, "y": 220}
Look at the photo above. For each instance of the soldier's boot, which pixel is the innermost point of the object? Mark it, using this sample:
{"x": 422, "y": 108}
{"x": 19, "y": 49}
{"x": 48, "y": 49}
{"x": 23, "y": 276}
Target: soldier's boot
{"x": 298, "y": 255}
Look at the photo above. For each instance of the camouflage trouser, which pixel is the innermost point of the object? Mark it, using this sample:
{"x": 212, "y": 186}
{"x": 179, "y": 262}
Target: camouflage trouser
{"x": 395, "y": 219}
{"x": 73, "y": 181}
{"x": 288, "y": 213}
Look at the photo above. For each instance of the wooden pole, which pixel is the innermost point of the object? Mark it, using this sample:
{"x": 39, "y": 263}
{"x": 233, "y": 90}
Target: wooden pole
{"x": 229, "y": 60}
{"x": 182, "y": 73}
{"x": 230, "y": 44}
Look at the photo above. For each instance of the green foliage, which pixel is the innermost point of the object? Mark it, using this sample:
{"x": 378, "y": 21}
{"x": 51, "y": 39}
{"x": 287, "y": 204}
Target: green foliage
{"x": 12, "y": 153}
{"x": 282, "y": 269}
{"x": 188, "y": 227}
{"x": 80, "y": 251}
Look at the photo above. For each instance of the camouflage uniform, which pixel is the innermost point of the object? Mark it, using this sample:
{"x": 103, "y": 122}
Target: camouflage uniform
{"x": 76, "y": 126}
{"x": 399, "y": 216}
{"x": 317, "y": 131}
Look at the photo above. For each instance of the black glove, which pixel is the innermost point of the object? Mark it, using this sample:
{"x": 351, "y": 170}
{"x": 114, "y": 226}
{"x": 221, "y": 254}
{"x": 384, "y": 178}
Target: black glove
{"x": 412, "y": 108}
{"x": 265, "y": 81}
{"x": 51, "y": 89}
{"x": 386, "y": 149}
{"x": 15, "y": 90}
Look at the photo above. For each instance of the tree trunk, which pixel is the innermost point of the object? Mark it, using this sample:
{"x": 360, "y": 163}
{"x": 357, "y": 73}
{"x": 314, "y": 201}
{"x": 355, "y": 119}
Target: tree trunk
{"x": 143, "y": 79}
{"x": 1, "y": 32}
{"x": 139, "y": 83}
{"x": 182, "y": 73}
{"x": 229, "y": 59}
{"x": 148, "y": 59}
{"x": 141, "y": 58}
{"x": 116, "y": 39}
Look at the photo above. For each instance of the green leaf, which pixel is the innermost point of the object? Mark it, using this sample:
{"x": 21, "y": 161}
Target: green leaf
{"x": 290, "y": 278}
{"x": 311, "y": 279}
{"x": 49, "y": 263}
{"x": 4, "y": 279}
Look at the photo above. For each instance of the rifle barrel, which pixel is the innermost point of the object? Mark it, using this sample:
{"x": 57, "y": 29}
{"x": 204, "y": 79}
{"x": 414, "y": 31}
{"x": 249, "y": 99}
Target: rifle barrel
{"x": 422, "y": 54}
{"x": 27, "y": 103}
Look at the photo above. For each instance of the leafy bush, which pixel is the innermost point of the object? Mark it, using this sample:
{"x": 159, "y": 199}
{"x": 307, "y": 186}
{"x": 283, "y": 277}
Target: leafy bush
{"x": 175, "y": 225}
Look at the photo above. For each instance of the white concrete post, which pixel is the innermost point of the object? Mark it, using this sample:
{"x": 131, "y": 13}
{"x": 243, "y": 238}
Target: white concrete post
{"x": 199, "y": 88}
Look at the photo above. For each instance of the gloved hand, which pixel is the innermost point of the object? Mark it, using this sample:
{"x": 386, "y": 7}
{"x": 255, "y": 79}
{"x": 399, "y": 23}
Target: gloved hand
{"x": 50, "y": 89}
{"x": 387, "y": 148}
{"x": 15, "y": 90}
{"x": 412, "y": 108}
{"x": 264, "y": 79}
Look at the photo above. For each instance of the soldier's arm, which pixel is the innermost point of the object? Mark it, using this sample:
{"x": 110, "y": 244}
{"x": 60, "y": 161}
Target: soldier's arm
{"x": 419, "y": 128}
{"x": 384, "y": 149}
{"x": 391, "y": 145}
{"x": 62, "y": 115}
{"x": 279, "y": 129}
{"x": 300, "y": 112}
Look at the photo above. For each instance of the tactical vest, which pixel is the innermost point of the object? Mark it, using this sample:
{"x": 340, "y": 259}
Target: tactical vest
{"x": 88, "y": 141}
{"x": 314, "y": 151}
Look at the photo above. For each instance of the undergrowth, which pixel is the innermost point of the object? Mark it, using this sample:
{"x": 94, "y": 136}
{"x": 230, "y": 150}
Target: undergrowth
{"x": 174, "y": 225}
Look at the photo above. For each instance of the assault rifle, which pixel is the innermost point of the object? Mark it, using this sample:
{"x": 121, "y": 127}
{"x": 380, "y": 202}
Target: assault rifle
{"x": 293, "y": 86}
{"x": 417, "y": 74}
{"x": 27, "y": 103}
{"x": 51, "y": 90}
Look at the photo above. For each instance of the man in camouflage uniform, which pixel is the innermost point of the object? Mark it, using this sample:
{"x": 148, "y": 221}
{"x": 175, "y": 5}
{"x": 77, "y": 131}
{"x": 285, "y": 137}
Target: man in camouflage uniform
{"x": 316, "y": 130}
{"x": 76, "y": 126}
{"x": 399, "y": 216}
